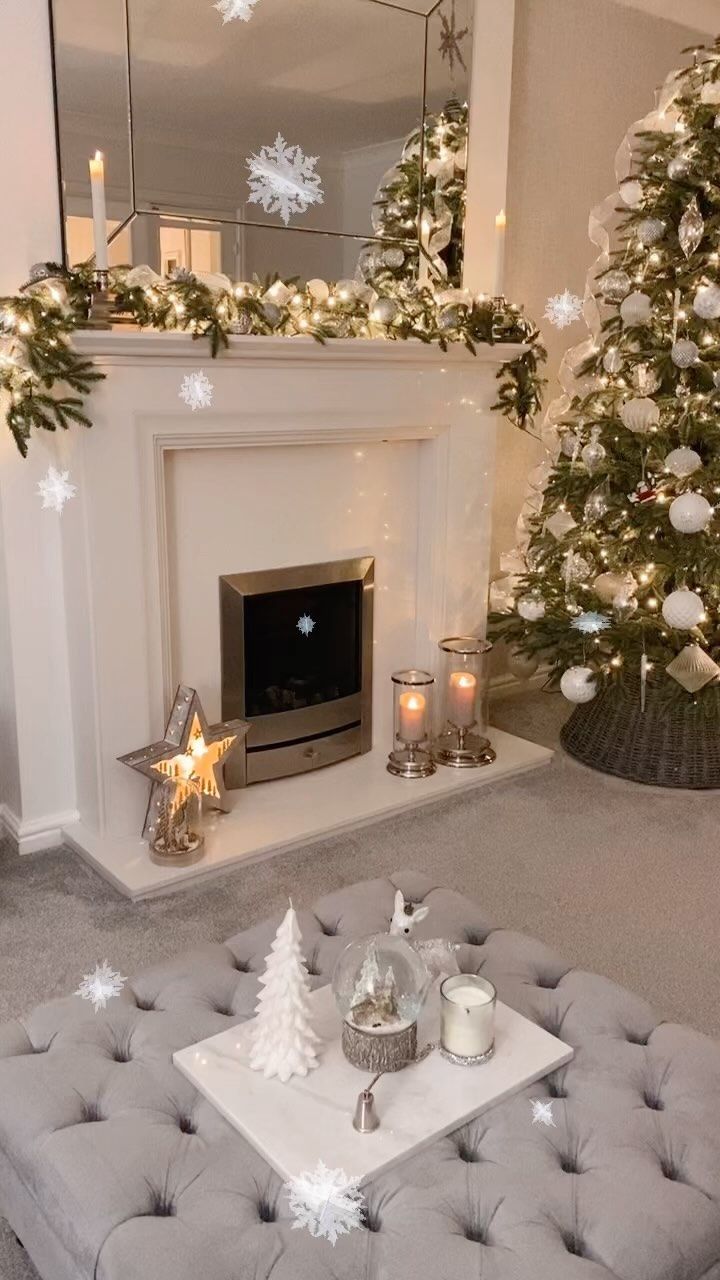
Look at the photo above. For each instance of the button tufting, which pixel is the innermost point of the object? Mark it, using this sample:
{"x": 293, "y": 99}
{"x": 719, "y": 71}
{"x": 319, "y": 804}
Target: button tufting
{"x": 547, "y": 984}
{"x": 225, "y": 1013}
{"x": 653, "y": 1102}
{"x": 91, "y": 1113}
{"x": 121, "y": 1055}
{"x": 468, "y": 1154}
{"x": 187, "y": 1125}
{"x": 266, "y": 1211}
{"x": 670, "y": 1171}
{"x": 369, "y": 1219}
{"x": 475, "y": 938}
{"x": 556, "y": 1090}
{"x": 478, "y": 1235}
{"x": 162, "y": 1206}
{"x": 573, "y": 1245}
{"x": 634, "y": 1039}
{"x": 147, "y": 1006}
{"x": 242, "y": 966}
{"x": 329, "y": 930}
{"x": 569, "y": 1165}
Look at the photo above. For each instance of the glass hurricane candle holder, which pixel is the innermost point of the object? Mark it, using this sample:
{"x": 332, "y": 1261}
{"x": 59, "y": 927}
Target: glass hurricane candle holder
{"x": 411, "y": 756}
{"x": 467, "y": 1019}
{"x": 176, "y": 837}
{"x": 462, "y": 741}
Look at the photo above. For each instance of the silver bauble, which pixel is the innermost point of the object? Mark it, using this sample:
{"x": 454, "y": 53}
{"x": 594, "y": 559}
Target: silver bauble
{"x": 636, "y": 309}
{"x": 393, "y": 257}
{"x": 612, "y": 361}
{"x": 683, "y": 462}
{"x": 243, "y": 323}
{"x": 624, "y": 605}
{"x": 650, "y": 231}
{"x": 570, "y": 444}
{"x": 678, "y": 168}
{"x": 578, "y": 684}
{"x": 593, "y": 455}
{"x": 384, "y": 311}
{"x": 690, "y": 513}
{"x": 531, "y": 607}
{"x": 521, "y": 665}
{"x": 450, "y": 318}
{"x": 706, "y": 303}
{"x": 685, "y": 353}
{"x": 576, "y": 568}
{"x": 615, "y": 286}
{"x": 683, "y": 610}
{"x": 597, "y": 504}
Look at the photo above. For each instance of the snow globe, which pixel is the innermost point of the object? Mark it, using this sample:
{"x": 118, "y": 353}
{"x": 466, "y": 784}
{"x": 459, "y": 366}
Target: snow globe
{"x": 379, "y": 985}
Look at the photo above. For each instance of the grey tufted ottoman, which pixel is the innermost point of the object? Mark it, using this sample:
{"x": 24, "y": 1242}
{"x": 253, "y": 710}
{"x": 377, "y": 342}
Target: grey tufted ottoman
{"x": 112, "y": 1168}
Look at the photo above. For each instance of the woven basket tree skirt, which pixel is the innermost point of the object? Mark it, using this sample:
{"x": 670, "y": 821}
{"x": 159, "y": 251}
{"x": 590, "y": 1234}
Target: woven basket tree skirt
{"x": 676, "y": 745}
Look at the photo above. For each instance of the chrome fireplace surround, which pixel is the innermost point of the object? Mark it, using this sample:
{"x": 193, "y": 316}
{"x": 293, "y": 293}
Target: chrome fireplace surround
{"x": 296, "y": 653}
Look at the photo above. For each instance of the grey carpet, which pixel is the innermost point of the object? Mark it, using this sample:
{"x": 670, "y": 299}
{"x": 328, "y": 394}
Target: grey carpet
{"x": 620, "y": 879}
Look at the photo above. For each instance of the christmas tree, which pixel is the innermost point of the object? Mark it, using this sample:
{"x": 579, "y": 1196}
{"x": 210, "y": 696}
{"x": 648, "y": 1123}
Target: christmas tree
{"x": 619, "y": 577}
{"x": 283, "y": 1041}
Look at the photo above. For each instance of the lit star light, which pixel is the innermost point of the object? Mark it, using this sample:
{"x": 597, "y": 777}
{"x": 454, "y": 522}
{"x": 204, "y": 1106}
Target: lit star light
{"x": 542, "y": 1112}
{"x": 283, "y": 179}
{"x": 450, "y": 40}
{"x": 590, "y": 623}
{"x": 325, "y": 1201}
{"x": 563, "y": 309}
{"x": 196, "y": 390}
{"x": 101, "y": 985}
{"x": 230, "y": 9}
{"x": 305, "y": 624}
{"x": 55, "y": 489}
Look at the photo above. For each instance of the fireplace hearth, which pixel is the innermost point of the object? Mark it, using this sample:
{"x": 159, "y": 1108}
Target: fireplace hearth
{"x": 296, "y": 654}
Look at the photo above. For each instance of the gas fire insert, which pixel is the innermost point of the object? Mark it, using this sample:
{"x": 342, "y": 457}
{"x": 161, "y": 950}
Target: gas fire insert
{"x": 297, "y": 665}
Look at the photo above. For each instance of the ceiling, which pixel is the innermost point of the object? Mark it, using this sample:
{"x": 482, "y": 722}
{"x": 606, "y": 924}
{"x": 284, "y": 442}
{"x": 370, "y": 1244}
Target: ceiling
{"x": 704, "y": 15}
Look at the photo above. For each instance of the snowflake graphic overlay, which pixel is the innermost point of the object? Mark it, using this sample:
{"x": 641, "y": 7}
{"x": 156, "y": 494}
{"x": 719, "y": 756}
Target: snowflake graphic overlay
{"x": 325, "y": 1201}
{"x": 542, "y": 1113}
{"x": 283, "y": 179}
{"x": 563, "y": 309}
{"x": 305, "y": 624}
{"x": 55, "y": 489}
{"x": 230, "y": 9}
{"x": 101, "y": 986}
{"x": 196, "y": 390}
{"x": 590, "y": 623}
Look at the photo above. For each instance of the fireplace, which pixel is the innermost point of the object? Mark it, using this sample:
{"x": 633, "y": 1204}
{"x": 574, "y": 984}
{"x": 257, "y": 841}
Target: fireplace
{"x": 296, "y": 649}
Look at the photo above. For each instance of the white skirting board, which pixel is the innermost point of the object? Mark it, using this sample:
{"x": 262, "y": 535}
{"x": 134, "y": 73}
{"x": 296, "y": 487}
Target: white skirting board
{"x": 274, "y": 816}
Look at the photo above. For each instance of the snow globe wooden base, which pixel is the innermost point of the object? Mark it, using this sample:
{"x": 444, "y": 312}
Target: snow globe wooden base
{"x": 372, "y": 1051}
{"x": 379, "y": 986}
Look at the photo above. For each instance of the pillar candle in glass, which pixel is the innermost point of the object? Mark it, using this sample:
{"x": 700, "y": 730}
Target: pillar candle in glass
{"x": 412, "y": 720}
{"x": 463, "y": 681}
{"x": 467, "y": 1018}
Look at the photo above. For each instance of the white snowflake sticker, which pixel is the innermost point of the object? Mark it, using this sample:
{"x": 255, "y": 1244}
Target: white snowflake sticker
{"x": 542, "y": 1112}
{"x": 325, "y": 1201}
{"x": 196, "y": 390}
{"x": 230, "y": 9}
{"x": 55, "y": 489}
{"x": 101, "y": 985}
{"x": 306, "y": 625}
{"x": 563, "y": 309}
{"x": 283, "y": 179}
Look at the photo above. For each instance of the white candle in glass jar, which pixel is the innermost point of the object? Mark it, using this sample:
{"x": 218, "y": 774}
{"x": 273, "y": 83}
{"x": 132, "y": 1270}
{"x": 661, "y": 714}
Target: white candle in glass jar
{"x": 97, "y": 188}
{"x": 467, "y": 1016}
{"x": 461, "y": 699}
{"x": 411, "y": 717}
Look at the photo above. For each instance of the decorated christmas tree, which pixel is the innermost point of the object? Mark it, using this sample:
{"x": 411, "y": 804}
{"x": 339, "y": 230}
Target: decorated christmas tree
{"x": 616, "y": 584}
{"x": 283, "y": 1041}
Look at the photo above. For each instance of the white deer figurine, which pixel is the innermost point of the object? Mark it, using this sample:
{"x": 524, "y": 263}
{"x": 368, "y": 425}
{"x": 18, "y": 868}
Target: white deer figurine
{"x": 437, "y": 954}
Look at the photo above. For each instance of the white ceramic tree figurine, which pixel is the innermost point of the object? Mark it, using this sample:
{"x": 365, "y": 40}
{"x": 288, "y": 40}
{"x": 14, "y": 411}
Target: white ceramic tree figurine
{"x": 283, "y": 1041}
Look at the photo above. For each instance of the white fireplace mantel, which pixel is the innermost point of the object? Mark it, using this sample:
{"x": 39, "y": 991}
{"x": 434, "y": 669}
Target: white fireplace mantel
{"x": 308, "y": 453}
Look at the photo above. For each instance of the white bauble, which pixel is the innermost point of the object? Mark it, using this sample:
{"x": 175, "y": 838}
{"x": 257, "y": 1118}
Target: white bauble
{"x": 522, "y": 665}
{"x": 640, "y": 415}
{"x": 636, "y": 309}
{"x": 650, "y": 231}
{"x": 684, "y": 353}
{"x": 570, "y": 444}
{"x": 615, "y": 286}
{"x": 707, "y": 302}
{"x": 531, "y": 608}
{"x": 609, "y": 585}
{"x": 578, "y": 684}
{"x": 690, "y": 513}
{"x": 683, "y": 610}
{"x": 631, "y": 193}
{"x": 683, "y": 463}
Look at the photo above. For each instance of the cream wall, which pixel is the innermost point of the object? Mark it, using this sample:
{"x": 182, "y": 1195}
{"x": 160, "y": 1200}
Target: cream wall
{"x": 583, "y": 71}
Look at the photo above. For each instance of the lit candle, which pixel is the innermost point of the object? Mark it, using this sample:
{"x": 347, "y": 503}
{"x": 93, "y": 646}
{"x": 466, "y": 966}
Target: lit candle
{"x": 467, "y": 1016}
{"x": 500, "y": 230}
{"x": 97, "y": 187}
{"x": 411, "y": 717}
{"x": 461, "y": 699}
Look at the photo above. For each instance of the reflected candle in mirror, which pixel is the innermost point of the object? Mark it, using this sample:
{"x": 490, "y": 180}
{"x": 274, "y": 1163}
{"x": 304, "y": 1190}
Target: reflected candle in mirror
{"x": 411, "y": 717}
{"x": 467, "y": 1027}
{"x": 97, "y": 187}
{"x": 461, "y": 699}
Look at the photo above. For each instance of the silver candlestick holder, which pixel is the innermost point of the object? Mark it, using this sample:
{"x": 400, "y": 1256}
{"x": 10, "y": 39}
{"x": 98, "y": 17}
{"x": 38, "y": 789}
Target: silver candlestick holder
{"x": 463, "y": 742}
{"x": 101, "y": 302}
{"x": 411, "y": 756}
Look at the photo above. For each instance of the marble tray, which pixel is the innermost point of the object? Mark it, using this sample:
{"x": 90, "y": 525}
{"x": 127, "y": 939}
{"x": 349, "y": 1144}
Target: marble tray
{"x": 309, "y": 1119}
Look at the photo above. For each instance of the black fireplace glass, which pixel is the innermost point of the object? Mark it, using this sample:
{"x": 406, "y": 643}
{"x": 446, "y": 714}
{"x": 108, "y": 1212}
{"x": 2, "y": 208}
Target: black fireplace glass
{"x": 302, "y": 647}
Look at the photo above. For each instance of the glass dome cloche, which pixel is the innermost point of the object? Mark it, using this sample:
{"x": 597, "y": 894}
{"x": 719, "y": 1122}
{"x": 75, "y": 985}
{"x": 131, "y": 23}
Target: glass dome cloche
{"x": 380, "y": 984}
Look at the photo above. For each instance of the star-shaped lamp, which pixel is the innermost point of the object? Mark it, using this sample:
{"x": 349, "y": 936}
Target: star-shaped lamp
{"x": 190, "y": 749}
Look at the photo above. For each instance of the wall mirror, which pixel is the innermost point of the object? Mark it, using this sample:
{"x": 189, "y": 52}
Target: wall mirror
{"x": 252, "y": 136}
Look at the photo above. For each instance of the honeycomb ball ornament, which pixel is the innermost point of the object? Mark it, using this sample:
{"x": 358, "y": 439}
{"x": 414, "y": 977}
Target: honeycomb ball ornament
{"x": 609, "y": 585}
{"x": 615, "y": 286}
{"x": 683, "y": 462}
{"x": 690, "y": 513}
{"x": 578, "y": 684}
{"x": 640, "y": 415}
{"x": 650, "y": 231}
{"x": 522, "y": 665}
{"x": 631, "y": 193}
{"x": 685, "y": 353}
{"x": 706, "y": 303}
{"x": 636, "y": 309}
{"x": 683, "y": 610}
{"x": 531, "y": 608}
